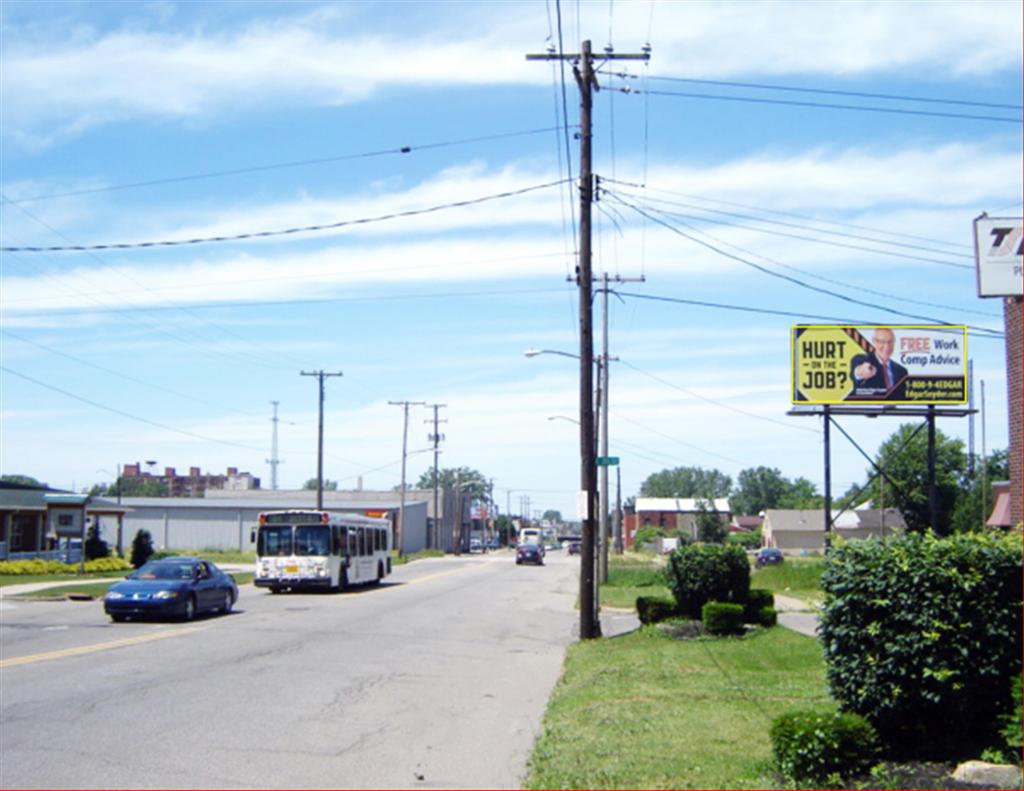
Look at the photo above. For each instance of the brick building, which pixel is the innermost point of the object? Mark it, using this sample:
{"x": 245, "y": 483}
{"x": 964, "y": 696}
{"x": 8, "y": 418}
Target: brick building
{"x": 195, "y": 483}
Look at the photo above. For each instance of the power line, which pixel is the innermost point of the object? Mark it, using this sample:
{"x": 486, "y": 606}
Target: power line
{"x": 824, "y": 105}
{"x": 991, "y": 334}
{"x": 788, "y": 278}
{"x": 286, "y": 231}
{"x": 762, "y": 209}
{"x": 280, "y": 165}
{"x": 860, "y": 237}
{"x": 835, "y": 92}
{"x": 722, "y": 404}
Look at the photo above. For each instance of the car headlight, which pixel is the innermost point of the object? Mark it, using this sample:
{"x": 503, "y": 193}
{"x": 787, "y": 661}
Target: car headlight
{"x": 113, "y": 595}
{"x": 165, "y": 594}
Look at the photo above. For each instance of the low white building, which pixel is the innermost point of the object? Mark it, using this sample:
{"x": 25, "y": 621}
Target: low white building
{"x": 803, "y": 531}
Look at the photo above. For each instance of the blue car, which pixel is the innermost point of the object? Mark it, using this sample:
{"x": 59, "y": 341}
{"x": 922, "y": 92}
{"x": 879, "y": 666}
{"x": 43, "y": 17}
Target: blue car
{"x": 530, "y": 553}
{"x": 171, "y": 588}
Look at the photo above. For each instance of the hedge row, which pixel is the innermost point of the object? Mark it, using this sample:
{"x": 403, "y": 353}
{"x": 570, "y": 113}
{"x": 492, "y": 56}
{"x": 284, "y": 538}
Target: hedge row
{"x": 37, "y": 566}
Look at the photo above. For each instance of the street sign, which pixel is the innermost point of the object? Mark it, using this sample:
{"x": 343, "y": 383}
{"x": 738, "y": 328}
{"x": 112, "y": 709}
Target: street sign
{"x": 607, "y": 461}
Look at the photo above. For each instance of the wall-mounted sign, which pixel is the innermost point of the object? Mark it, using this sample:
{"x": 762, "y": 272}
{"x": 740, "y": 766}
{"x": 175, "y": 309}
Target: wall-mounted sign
{"x": 999, "y": 253}
{"x": 900, "y": 364}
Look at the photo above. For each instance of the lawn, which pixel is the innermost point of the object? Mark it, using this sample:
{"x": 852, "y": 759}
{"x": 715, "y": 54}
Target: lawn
{"x": 630, "y": 576}
{"x": 647, "y": 711}
{"x": 796, "y": 577}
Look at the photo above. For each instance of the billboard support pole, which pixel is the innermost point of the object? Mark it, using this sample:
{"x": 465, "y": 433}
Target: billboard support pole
{"x": 933, "y": 508}
{"x": 828, "y": 480}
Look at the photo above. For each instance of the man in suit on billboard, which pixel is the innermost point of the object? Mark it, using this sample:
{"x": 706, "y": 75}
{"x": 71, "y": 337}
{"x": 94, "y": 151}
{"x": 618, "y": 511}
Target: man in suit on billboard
{"x": 875, "y": 374}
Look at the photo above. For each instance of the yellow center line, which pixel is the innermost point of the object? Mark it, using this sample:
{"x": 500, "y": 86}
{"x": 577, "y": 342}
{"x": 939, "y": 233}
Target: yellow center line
{"x": 91, "y": 649}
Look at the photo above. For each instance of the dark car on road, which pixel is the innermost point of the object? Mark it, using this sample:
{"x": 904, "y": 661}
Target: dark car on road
{"x": 767, "y": 556}
{"x": 530, "y": 553}
{"x": 574, "y": 547}
{"x": 180, "y": 587}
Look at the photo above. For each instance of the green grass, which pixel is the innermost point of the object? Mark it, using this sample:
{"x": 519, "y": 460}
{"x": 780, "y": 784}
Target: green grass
{"x": 95, "y": 590}
{"x": 646, "y": 711}
{"x": 20, "y": 579}
{"x": 214, "y": 555}
{"x": 630, "y": 577}
{"x": 796, "y": 577}
{"x": 401, "y": 560}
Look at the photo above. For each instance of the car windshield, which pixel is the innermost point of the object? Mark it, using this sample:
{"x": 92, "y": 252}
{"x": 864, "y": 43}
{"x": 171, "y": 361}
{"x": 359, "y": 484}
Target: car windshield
{"x": 163, "y": 570}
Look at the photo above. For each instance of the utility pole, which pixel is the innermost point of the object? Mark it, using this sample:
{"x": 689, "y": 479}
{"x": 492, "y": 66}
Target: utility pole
{"x": 435, "y": 540}
{"x": 583, "y": 69}
{"x": 320, "y": 375}
{"x": 400, "y": 531}
{"x": 605, "y": 406}
{"x": 273, "y": 461}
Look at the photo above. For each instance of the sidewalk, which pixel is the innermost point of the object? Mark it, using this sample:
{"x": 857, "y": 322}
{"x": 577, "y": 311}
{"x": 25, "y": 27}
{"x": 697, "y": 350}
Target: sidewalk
{"x": 797, "y": 615}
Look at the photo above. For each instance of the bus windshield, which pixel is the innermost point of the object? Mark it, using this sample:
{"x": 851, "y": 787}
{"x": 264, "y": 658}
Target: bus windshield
{"x": 275, "y": 540}
{"x": 312, "y": 540}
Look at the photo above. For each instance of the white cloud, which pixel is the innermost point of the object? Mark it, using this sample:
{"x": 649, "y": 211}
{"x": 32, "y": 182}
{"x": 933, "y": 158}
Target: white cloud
{"x": 59, "y": 85}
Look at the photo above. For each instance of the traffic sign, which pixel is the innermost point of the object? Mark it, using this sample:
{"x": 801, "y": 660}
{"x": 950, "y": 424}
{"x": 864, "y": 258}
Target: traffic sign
{"x": 607, "y": 461}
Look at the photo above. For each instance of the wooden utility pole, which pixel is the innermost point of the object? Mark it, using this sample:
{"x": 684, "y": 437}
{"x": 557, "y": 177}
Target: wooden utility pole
{"x": 434, "y": 542}
{"x": 320, "y": 375}
{"x": 583, "y": 69}
{"x": 400, "y": 530}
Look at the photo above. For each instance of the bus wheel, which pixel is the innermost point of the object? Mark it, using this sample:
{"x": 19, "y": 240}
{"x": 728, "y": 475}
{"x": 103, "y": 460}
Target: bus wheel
{"x": 380, "y": 574}
{"x": 343, "y": 580}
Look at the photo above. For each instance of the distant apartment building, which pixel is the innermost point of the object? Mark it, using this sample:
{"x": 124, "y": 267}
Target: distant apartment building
{"x": 195, "y": 484}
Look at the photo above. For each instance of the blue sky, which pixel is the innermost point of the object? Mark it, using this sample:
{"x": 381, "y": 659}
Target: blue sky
{"x": 133, "y": 122}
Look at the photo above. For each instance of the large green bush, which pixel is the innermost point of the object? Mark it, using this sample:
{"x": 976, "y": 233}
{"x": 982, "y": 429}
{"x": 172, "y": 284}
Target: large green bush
{"x": 922, "y": 636}
{"x": 758, "y": 599}
{"x": 700, "y": 573}
{"x": 812, "y": 745}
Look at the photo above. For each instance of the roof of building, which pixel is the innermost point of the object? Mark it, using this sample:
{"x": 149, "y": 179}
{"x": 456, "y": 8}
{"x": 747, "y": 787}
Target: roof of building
{"x": 813, "y": 520}
{"x": 305, "y": 500}
{"x": 20, "y": 497}
{"x": 685, "y": 505}
{"x": 1000, "y": 516}
{"x": 748, "y": 522}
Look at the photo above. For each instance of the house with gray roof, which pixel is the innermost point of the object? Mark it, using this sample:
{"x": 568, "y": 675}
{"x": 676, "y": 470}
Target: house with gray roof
{"x": 798, "y": 532}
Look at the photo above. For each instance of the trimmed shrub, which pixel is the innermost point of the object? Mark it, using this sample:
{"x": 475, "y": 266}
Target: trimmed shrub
{"x": 812, "y": 745}
{"x": 646, "y": 535}
{"x": 721, "y": 618}
{"x": 38, "y": 566}
{"x": 142, "y": 548}
{"x": 757, "y": 600}
{"x": 922, "y": 636}
{"x": 699, "y": 573}
{"x": 766, "y": 617}
{"x": 95, "y": 546}
{"x": 653, "y": 609}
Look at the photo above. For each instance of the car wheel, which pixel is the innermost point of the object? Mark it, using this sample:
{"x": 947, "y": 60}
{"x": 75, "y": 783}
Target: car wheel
{"x": 119, "y": 618}
{"x": 275, "y": 589}
{"x": 190, "y": 609}
{"x": 229, "y": 601}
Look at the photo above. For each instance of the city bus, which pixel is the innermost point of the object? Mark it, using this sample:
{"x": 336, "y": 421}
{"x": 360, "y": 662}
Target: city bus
{"x": 299, "y": 549}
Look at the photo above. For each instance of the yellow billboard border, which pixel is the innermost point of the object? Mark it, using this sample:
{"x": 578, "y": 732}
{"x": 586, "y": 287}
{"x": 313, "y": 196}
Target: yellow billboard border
{"x": 866, "y": 402}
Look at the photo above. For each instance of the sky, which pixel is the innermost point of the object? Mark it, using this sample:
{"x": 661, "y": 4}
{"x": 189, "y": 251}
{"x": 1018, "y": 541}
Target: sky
{"x": 428, "y": 167}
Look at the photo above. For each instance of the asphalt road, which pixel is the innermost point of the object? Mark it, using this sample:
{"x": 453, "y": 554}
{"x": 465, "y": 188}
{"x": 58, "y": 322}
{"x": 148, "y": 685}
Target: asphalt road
{"x": 437, "y": 678}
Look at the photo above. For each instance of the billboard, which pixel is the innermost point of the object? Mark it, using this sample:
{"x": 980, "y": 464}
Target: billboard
{"x": 874, "y": 364}
{"x": 999, "y": 253}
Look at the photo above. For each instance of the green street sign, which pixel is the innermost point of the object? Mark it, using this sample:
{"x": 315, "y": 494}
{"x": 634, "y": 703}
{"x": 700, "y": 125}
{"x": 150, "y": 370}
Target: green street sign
{"x": 607, "y": 461}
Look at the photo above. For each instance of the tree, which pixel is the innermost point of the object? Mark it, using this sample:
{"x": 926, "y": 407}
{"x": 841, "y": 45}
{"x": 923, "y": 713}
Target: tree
{"x": 22, "y": 480}
{"x": 329, "y": 486}
{"x": 475, "y": 486}
{"x": 710, "y": 528}
{"x": 552, "y": 516}
{"x": 95, "y": 546}
{"x": 758, "y": 489}
{"x": 142, "y": 548}
{"x": 904, "y": 457}
{"x": 801, "y": 494}
{"x": 975, "y": 501}
{"x": 687, "y": 482}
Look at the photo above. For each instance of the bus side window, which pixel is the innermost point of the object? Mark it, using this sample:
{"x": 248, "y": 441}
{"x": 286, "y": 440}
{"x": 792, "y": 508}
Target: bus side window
{"x": 376, "y": 540}
{"x": 353, "y": 541}
{"x": 362, "y": 541}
